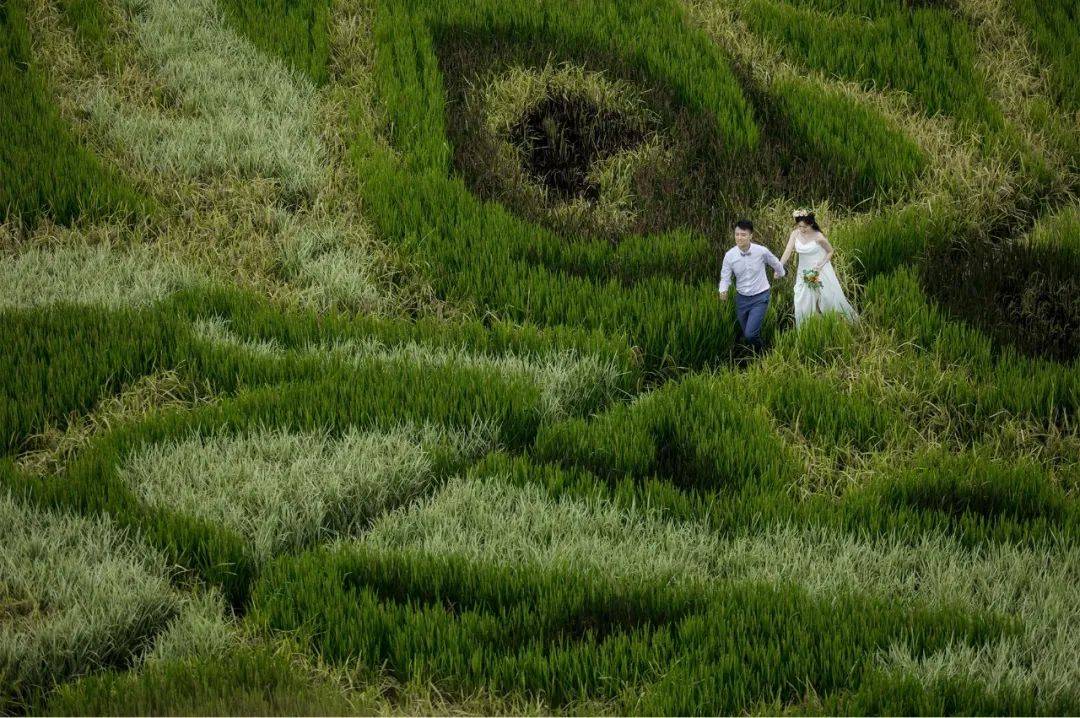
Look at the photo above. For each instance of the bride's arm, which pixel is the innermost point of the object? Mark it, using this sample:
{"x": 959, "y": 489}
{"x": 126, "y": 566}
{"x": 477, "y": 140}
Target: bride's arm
{"x": 828, "y": 251}
{"x": 788, "y": 249}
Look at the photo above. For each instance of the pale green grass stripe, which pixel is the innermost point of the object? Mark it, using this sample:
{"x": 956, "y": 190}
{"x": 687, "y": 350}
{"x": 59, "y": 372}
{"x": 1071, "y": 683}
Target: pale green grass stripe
{"x": 1060, "y": 230}
{"x": 567, "y": 378}
{"x": 89, "y": 274}
{"x": 73, "y": 592}
{"x": 492, "y": 521}
{"x": 330, "y": 264}
{"x": 283, "y": 490}
{"x": 236, "y": 110}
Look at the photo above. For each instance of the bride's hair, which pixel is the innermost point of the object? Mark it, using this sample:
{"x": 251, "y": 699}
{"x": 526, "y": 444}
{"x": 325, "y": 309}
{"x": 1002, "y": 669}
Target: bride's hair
{"x": 809, "y": 219}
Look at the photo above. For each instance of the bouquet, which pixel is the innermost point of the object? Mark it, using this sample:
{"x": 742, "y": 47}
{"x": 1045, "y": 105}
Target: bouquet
{"x": 812, "y": 279}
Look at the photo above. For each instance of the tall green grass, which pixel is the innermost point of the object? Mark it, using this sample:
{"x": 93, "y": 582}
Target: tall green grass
{"x": 852, "y": 139}
{"x": 565, "y": 637}
{"x": 696, "y": 433}
{"x": 45, "y": 169}
{"x": 240, "y": 112}
{"x": 90, "y": 274}
{"x": 479, "y": 251}
{"x": 295, "y": 31}
{"x": 285, "y": 490}
{"x": 923, "y": 50}
{"x": 1037, "y": 388}
{"x": 248, "y": 681}
{"x": 1054, "y": 30}
{"x": 95, "y": 24}
{"x": 50, "y": 375}
{"x": 516, "y": 512}
{"x": 62, "y": 358}
{"x": 75, "y": 595}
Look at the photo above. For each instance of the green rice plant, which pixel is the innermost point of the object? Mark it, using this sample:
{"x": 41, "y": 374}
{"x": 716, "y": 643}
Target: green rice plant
{"x": 696, "y": 432}
{"x": 894, "y": 238}
{"x": 284, "y": 490}
{"x": 563, "y": 144}
{"x": 76, "y": 595}
{"x": 301, "y": 396}
{"x": 910, "y": 694}
{"x": 45, "y": 370}
{"x": 252, "y": 318}
{"x": 486, "y": 271}
{"x": 1059, "y": 233}
{"x": 627, "y": 540}
{"x": 971, "y": 484}
{"x": 880, "y": 160}
{"x": 203, "y": 628}
{"x": 822, "y": 341}
{"x": 480, "y": 252}
{"x": 823, "y": 409}
{"x": 1036, "y": 388}
{"x": 656, "y": 39}
{"x": 321, "y": 266}
{"x": 922, "y": 50}
{"x": 248, "y": 681}
{"x": 1018, "y": 293}
{"x": 295, "y": 31}
{"x": 94, "y": 23}
{"x": 45, "y": 170}
{"x": 518, "y": 512}
{"x": 670, "y": 321}
{"x": 570, "y": 384}
{"x": 570, "y": 637}
{"x": 687, "y": 185}
{"x": 54, "y": 447}
{"x": 1052, "y": 28}
{"x": 234, "y": 110}
{"x": 89, "y": 274}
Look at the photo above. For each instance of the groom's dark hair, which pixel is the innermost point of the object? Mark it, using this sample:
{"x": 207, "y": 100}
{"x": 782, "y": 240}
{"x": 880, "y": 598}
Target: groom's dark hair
{"x": 745, "y": 224}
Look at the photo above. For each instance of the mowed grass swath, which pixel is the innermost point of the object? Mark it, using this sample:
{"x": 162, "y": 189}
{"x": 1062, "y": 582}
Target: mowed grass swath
{"x": 366, "y": 358}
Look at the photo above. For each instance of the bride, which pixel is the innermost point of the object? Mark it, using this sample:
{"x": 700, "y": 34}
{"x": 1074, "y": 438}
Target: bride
{"x": 824, "y": 295}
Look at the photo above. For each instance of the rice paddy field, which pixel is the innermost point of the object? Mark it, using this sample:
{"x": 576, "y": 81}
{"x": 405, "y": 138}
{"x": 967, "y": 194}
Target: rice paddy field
{"x": 365, "y": 357}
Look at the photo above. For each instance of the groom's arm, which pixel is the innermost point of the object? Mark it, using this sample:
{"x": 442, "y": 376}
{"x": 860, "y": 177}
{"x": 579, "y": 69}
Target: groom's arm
{"x": 725, "y": 277}
{"x": 778, "y": 268}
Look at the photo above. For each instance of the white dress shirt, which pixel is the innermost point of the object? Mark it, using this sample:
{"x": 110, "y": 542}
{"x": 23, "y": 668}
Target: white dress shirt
{"x": 749, "y": 269}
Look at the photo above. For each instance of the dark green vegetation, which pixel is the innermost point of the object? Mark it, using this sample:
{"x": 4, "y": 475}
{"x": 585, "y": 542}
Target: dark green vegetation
{"x": 1055, "y": 32}
{"x": 510, "y": 630}
{"x": 871, "y": 518}
{"x": 480, "y": 251}
{"x": 294, "y": 30}
{"x": 44, "y": 168}
{"x": 923, "y": 50}
{"x": 250, "y": 682}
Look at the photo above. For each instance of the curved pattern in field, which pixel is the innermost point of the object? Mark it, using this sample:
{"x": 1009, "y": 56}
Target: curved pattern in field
{"x": 408, "y": 389}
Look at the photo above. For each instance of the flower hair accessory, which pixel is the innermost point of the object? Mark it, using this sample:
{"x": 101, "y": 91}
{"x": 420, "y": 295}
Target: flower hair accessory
{"x": 800, "y": 213}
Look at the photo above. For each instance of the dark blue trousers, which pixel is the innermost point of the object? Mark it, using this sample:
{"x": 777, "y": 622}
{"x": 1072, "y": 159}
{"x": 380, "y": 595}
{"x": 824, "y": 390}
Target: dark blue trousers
{"x": 751, "y": 313}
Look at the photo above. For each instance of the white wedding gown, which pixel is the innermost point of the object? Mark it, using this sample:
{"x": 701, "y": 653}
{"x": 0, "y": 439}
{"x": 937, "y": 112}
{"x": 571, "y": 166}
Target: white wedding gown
{"x": 830, "y": 297}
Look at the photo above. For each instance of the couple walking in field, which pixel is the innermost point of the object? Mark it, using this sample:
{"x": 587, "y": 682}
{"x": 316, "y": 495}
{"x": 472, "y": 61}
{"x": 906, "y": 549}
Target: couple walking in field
{"x": 817, "y": 289}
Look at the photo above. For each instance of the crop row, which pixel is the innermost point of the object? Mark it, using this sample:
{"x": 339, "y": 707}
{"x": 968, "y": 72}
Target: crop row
{"x": 61, "y": 357}
{"x": 481, "y": 251}
{"x": 925, "y": 51}
{"x": 44, "y": 168}
{"x": 568, "y": 637}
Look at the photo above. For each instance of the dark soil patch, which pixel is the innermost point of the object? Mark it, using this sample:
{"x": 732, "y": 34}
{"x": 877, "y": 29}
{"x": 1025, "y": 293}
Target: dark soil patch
{"x": 562, "y": 137}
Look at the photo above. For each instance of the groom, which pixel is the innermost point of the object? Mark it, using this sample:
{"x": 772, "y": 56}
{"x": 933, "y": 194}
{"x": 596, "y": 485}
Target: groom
{"x": 746, "y": 261}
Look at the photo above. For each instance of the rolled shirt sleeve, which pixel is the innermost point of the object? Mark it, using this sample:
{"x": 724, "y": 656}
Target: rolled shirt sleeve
{"x": 725, "y": 274}
{"x": 774, "y": 262}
